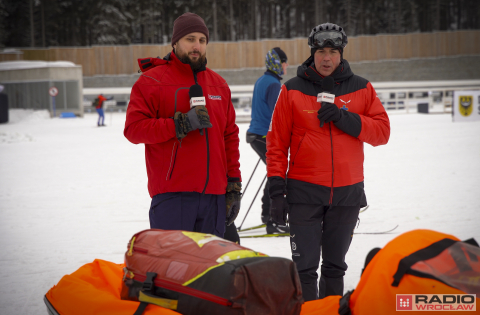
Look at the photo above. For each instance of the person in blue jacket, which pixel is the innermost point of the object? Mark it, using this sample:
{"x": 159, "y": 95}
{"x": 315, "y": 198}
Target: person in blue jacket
{"x": 265, "y": 94}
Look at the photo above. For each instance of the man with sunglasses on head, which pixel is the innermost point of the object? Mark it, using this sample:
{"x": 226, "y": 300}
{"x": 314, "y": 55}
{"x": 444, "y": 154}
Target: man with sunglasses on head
{"x": 319, "y": 148}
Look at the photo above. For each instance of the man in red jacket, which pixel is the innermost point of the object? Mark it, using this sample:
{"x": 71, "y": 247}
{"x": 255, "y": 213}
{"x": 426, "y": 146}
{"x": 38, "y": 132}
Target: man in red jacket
{"x": 320, "y": 149}
{"x": 99, "y": 108}
{"x": 191, "y": 151}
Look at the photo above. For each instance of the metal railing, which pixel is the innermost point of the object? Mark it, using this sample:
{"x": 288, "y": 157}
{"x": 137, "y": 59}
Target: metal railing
{"x": 396, "y": 97}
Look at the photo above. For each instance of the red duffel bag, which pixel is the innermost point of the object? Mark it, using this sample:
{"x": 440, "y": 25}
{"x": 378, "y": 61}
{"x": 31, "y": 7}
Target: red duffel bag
{"x": 196, "y": 273}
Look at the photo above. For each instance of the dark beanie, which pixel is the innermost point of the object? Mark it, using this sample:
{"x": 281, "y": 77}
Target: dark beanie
{"x": 188, "y": 23}
{"x": 281, "y": 54}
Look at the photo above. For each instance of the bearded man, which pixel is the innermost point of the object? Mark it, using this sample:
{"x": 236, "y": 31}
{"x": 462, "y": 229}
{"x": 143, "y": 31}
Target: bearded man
{"x": 191, "y": 152}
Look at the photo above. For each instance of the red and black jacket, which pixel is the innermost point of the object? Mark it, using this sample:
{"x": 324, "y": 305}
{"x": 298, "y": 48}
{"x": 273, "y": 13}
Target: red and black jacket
{"x": 323, "y": 165}
{"x": 101, "y": 99}
{"x": 199, "y": 163}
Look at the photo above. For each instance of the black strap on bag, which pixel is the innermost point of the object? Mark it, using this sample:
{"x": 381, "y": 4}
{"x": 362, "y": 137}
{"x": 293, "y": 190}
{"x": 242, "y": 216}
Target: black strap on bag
{"x": 148, "y": 287}
{"x": 344, "y": 304}
{"x": 426, "y": 253}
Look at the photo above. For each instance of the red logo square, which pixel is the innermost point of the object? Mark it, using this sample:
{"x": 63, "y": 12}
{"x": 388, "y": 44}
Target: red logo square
{"x": 404, "y": 302}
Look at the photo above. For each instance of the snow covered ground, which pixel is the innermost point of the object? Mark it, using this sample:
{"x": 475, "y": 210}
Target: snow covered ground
{"x": 71, "y": 192}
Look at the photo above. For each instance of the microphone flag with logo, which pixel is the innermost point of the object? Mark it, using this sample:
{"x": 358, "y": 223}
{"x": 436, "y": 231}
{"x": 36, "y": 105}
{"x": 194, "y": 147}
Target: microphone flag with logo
{"x": 326, "y": 96}
{"x": 196, "y": 96}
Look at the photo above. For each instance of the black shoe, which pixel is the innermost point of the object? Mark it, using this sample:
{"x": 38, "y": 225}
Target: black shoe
{"x": 274, "y": 228}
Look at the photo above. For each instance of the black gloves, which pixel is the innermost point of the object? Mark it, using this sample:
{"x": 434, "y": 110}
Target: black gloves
{"x": 329, "y": 112}
{"x": 279, "y": 209}
{"x": 196, "y": 118}
{"x": 278, "y": 202}
{"x": 232, "y": 199}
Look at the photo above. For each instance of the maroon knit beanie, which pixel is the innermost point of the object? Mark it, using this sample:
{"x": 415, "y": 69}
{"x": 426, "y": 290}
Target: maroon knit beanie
{"x": 188, "y": 23}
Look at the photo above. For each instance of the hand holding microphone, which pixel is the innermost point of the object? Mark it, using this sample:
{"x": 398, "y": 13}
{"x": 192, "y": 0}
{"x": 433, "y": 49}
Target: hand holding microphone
{"x": 196, "y": 118}
{"x": 328, "y": 111}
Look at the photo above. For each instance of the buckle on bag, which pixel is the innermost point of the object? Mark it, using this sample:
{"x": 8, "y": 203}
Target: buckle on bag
{"x": 148, "y": 284}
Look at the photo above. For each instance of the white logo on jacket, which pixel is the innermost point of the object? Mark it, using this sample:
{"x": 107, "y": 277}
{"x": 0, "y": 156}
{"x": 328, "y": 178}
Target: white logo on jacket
{"x": 215, "y": 97}
{"x": 345, "y": 102}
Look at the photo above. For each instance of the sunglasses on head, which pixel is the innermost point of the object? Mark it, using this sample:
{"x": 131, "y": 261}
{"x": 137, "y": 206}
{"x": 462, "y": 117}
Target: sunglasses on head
{"x": 323, "y": 38}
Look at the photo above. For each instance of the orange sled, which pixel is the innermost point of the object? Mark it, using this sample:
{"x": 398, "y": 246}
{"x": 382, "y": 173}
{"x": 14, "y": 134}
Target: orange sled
{"x": 94, "y": 289}
{"x": 416, "y": 262}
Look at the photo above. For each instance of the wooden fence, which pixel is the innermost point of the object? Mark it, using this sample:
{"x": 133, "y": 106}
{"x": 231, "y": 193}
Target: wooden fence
{"x": 115, "y": 60}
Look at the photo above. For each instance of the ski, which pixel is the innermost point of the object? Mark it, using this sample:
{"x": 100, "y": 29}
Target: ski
{"x": 265, "y": 235}
{"x": 271, "y": 235}
{"x": 253, "y": 228}
{"x": 380, "y": 232}
{"x": 287, "y": 234}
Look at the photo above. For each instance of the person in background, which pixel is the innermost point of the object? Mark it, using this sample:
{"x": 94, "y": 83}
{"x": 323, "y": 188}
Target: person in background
{"x": 191, "y": 152}
{"x": 99, "y": 108}
{"x": 265, "y": 94}
{"x": 319, "y": 148}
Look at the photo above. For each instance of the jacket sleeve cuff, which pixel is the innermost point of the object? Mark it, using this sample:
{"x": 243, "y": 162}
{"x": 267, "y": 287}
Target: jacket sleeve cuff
{"x": 350, "y": 123}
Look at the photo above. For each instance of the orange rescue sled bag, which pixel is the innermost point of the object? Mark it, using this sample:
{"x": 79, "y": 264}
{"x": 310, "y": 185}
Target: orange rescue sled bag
{"x": 417, "y": 262}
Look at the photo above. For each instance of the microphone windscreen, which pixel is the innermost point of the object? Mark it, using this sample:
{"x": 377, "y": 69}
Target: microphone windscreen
{"x": 195, "y": 91}
{"x": 327, "y": 84}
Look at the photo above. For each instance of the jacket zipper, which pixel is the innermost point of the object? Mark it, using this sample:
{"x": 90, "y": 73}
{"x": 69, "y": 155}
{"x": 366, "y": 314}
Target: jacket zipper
{"x": 162, "y": 283}
{"x": 298, "y": 150}
{"x": 333, "y": 170}
{"x": 208, "y": 147}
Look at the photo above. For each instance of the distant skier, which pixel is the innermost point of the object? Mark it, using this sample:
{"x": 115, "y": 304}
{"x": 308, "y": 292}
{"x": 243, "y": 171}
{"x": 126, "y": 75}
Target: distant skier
{"x": 99, "y": 107}
{"x": 265, "y": 94}
{"x": 321, "y": 148}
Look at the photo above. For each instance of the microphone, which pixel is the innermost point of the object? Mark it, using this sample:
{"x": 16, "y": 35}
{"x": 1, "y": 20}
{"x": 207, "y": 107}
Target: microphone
{"x": 196, "y": 98}
{"x": 326, "y": 96}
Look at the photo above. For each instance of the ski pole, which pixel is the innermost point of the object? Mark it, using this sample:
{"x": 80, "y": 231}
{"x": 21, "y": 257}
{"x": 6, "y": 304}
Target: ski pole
{"x": 245, "y": 190}
{"x": 261, "y": 185}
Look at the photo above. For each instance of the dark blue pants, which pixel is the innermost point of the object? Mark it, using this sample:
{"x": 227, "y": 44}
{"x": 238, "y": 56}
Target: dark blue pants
{"x": 259, "y": 144}
{"x": 101, "y": 116}
{"x": 188, "y": 211}
{"x": 316, "y": 230}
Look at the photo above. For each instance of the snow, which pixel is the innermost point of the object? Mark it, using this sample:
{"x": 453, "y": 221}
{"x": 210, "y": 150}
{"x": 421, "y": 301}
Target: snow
{"x": 26, "y": 64}
{"x": 71, "y": 192}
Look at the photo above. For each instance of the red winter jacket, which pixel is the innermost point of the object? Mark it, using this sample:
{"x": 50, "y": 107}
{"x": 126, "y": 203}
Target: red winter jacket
{"x": 324, "y": 165}
{"x": 101, "y": 99}
{"x": 199, "y": 163}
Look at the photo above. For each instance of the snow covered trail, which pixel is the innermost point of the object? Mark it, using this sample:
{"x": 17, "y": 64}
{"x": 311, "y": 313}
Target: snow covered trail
{"x": 71, "y": 192}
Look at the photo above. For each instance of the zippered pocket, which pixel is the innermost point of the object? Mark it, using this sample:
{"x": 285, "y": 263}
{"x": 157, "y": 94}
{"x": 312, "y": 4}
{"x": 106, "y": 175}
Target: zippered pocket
{"x": 173, "y": 158}
{"x": 298, "y": 149}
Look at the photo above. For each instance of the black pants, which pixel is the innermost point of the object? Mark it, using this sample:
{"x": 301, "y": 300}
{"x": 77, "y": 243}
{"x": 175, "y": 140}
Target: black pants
{"x": 314, "y": 228}
{"x": 259, "y": 144}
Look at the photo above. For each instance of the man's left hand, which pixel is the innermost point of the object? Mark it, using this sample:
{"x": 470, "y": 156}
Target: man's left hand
{"x": 232, "y": 199}
{"x": 329, "y": 112}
